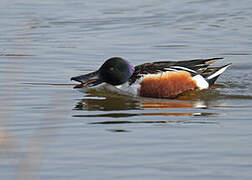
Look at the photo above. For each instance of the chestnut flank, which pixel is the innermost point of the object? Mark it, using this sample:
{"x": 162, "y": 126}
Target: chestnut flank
{"x": 167, "y": 84}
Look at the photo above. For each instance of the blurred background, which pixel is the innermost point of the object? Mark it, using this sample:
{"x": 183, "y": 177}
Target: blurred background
{"x": 50, "y": 131}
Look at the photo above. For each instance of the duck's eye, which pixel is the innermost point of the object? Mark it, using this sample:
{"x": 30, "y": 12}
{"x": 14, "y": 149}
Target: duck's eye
{"x": 111, "y": 68}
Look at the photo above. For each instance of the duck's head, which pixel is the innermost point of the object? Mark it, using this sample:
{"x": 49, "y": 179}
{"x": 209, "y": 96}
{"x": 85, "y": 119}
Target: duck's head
{"x": 114, "y": 71}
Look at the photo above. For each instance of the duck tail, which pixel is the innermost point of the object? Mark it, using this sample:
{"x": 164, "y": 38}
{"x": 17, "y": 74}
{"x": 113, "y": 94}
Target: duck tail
{"x": 212, "y": 74}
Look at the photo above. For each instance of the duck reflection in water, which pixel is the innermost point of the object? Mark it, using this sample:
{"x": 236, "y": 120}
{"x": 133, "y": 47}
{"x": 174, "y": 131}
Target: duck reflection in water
{"x": 96, "y": 101}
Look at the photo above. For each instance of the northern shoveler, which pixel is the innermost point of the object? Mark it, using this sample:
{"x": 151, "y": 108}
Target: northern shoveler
{"x": 164, "y": 79}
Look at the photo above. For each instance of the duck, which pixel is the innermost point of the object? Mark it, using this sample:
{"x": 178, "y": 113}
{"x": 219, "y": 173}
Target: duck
{"x": 161, "y": 79}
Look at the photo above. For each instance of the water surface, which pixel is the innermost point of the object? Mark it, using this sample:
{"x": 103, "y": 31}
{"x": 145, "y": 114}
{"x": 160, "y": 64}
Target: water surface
{"x": 50, "y": 131}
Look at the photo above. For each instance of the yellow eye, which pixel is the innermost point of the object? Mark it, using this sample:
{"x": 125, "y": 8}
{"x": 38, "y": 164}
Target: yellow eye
{"x": 111, "y": 68}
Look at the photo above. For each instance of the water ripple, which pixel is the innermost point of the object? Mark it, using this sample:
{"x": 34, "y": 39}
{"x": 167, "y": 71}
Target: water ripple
{"x": 156, "y": 122}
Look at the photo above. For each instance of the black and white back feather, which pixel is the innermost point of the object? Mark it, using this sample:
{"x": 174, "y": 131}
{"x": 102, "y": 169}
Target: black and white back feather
{"x": 195, "y": 67}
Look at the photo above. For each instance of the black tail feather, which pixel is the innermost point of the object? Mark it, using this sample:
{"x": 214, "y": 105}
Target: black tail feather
{"x": 212, "y": 74}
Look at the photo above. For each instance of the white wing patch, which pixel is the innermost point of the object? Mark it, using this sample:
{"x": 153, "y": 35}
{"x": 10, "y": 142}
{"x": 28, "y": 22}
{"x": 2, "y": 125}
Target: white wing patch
{"x": 170, "y": 69}
{"x": 184, "y": 68}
